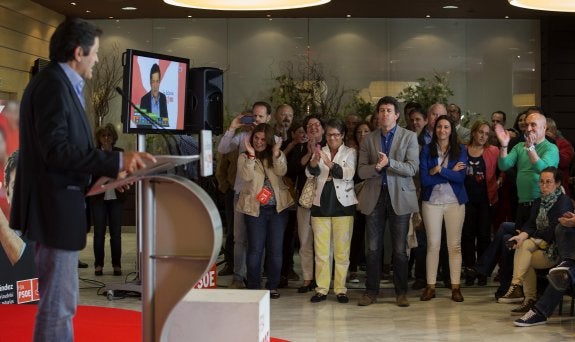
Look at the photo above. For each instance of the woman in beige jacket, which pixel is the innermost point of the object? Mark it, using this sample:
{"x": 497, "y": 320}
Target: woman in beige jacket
{"x": 264, "y": 200}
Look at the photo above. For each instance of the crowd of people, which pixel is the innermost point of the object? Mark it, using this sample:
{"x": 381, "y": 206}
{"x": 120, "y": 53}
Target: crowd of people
{"x": 486, "y": 195}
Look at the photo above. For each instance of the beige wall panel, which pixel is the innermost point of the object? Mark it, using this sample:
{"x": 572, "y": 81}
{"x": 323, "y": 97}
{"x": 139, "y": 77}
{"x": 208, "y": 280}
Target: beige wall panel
{"x": 32, "y": 10}
{"x": 24, "y": 24}
{"x": 23, "y": 43}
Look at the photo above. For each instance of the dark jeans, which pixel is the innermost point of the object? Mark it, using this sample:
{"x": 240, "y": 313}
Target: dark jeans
{"x": 476, "y": 231}
{"x": 374, "y": 230}
{"x": 357, "y": 248}
{"x": 547, "y": 303}
{"x": 265, "y": 232}
{"x": 288, "y": 244}
{"x": 565, "y": 240}
{"x": 107, "y": 213}
{"x": 498, "y": 249}
{"x": 229, "y": 212}
{"x": 419, "y": 254}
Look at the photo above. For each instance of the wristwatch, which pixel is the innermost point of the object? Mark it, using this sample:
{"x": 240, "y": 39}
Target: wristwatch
{"x": 530, "y": 148}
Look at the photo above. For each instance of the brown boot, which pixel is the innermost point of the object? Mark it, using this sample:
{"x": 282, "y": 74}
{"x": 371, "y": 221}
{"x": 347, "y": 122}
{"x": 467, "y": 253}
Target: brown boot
{"x": 428, "y": 293}
{"x": 456, "y": 295}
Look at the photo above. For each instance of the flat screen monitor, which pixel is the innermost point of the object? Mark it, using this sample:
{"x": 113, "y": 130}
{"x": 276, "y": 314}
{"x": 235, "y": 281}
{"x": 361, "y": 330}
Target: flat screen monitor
{"x": 157, "y": 84}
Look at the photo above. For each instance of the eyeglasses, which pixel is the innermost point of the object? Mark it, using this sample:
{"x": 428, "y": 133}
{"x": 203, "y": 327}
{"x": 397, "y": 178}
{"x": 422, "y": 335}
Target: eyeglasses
{"x": 333, "y": 135}
{"x": 313, "y": 124}
{"x": 546, "y": 181}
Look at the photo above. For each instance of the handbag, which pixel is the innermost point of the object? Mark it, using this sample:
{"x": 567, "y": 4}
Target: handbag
{"x": 308, "y": 193}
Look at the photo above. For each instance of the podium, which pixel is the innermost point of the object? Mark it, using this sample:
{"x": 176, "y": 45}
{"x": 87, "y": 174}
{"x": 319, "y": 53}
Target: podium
{"x": 181, "y": 234}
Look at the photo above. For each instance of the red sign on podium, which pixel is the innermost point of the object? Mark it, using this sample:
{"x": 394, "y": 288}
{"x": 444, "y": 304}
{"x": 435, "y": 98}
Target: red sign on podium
{"x": 208, "y": 280}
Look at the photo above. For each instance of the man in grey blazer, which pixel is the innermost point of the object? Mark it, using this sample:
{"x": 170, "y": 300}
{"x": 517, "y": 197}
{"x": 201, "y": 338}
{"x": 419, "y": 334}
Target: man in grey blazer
{"x": 388, "y": 160}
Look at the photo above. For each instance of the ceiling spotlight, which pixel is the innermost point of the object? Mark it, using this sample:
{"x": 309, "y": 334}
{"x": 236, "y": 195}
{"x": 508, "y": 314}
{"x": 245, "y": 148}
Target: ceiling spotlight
{"x": 546, "y": 5}
{"x": 428, "y": 16}
{"x": 129, "y": 8}
{"x": 450, "y": 7}
{"x": 244, "y": 5}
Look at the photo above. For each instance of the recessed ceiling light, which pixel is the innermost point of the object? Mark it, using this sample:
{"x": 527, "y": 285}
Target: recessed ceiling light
{"x": 268, "y": 15}
{"x": 349, "y": 15}
{"x": 227, "y": 5}
{"x": 110, "y": 17}
{"x": 129, "y": 8}
{"x": 189, "y": 16}
{"x": 73, "y": 3}
{"x": 545, "y": 5}
{"x": 88, "y": 11}
{"x": 506, "y": 17}
{"x": 428, "y": 16}
{"x": 450, "y": 7}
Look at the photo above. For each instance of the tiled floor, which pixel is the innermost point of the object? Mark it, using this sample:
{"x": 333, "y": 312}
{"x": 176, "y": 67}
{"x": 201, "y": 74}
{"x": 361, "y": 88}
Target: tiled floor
{"x": 294, "y": 318}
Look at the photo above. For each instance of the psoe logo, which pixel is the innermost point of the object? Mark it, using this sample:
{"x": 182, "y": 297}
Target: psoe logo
{"x": 27, "y": 291}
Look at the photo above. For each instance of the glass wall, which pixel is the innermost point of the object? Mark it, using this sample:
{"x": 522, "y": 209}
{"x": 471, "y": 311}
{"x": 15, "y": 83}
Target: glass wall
{"x": 488, "y": 62}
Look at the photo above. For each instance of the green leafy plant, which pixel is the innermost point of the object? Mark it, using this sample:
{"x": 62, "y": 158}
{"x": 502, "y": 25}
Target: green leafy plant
{"x": 428, "y": 91}
{"x": 304, "y": 86}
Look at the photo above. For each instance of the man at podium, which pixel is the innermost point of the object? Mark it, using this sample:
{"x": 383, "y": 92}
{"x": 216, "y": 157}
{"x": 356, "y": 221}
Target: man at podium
{"x": 57, "y": 161}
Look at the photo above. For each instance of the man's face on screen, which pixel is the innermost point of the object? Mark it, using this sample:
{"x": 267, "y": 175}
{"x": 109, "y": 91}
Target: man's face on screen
{"x": 155, "y": 84}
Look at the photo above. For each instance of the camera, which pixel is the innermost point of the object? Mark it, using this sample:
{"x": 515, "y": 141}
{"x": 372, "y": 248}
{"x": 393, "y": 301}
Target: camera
{"x": 247, "y": 120}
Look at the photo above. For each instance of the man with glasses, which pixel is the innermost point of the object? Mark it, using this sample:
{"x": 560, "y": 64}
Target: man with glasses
{"x": 388, "y": 160}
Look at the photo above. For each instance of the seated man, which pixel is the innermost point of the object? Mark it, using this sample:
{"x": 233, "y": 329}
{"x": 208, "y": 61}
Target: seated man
{"x": 543, "y": 309}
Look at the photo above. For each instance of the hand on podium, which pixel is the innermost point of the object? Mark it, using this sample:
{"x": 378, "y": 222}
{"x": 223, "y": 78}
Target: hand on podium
{"x": 134, "y": 161}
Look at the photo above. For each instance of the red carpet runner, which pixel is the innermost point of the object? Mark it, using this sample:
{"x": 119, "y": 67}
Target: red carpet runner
{"x": 91, "y": 323}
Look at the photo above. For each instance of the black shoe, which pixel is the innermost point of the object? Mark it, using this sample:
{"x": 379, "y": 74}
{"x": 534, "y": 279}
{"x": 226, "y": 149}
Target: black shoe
{"x": 82, "y": 264}
{"x": 227, "y": 270}
{"x": 274, "y": 294}
{"x": 117, "y": 271}
{"x": 469, "y": 281}
{"x": 306, "y": 288}
{"x": 342, "y": 298}
{"x": 98, "y": 271}
{"x": 481, "y": 280}
{"x": 318, "y": 297}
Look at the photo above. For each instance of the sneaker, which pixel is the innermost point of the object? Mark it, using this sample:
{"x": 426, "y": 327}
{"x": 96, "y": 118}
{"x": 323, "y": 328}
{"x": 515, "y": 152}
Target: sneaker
{"x": 531, "y": 318}
{"x": 237, "y": 284}
{"x": 353, "y": 278}
{"x": 523, "y": 308}
{"x": 367, "y": 299}
{"x": 226, "y": 271}
{"x": 561, "y": 277}
{"x": 513, "y": 295}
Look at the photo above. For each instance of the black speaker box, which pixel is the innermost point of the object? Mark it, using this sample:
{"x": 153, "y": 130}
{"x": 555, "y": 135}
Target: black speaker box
{"x": 206, "y": 100}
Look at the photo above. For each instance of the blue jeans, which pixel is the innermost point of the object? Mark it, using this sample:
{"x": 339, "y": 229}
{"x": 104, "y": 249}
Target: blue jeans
{"x": 58, "y": 286}
{"x": 498, "y": 248}
{"x": 107, "y": 213}
{"x": 265, "y": 232}
{"x": 547, "y": 303}
{"x": 240, "y": 243}
{"x": 398, "y": 226}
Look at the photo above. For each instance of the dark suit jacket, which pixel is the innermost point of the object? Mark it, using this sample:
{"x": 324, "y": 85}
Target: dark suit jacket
{"x": 557, "y": 210}
{"x": 146, "y": 103}
{"x": 57, "y": 159}
{"x": 403, "y": 165}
